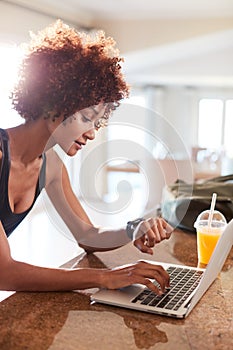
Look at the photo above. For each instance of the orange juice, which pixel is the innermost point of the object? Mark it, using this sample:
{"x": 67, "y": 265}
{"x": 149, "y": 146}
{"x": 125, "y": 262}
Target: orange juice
{"x": 207, "y": 239}
{"x": 209, "y": 228}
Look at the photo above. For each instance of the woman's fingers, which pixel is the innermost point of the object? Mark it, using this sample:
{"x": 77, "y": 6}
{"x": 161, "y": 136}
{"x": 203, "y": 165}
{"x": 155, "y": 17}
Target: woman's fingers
{"x": 142, "y": 272}
{"x": 146, "y": 271}
{"x": 150, "y": 232}
{"x": 168, "y": 228}
{"x": 140, "y": 244}
{"x": 156, "y": 233}
{"x": 161, "y": 279}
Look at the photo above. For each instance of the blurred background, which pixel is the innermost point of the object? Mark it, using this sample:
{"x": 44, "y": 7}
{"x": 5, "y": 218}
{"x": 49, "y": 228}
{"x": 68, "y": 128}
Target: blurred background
{"x": 176, "y": 124}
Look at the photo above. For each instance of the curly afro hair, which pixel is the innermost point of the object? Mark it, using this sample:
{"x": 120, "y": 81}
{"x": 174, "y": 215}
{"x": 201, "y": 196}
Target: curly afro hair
{"x": 64, "y": 71}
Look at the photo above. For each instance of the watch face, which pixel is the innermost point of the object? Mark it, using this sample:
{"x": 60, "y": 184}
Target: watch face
{"x": 133, "y": 224}
{"x": 137, "y": 221}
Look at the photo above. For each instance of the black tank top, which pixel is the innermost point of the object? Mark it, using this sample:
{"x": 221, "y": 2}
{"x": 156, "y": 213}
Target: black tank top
{"x": 9, "y": 219}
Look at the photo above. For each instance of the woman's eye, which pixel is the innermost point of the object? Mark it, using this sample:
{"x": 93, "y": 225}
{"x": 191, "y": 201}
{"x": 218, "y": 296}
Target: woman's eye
{"x": 85, "y": 119}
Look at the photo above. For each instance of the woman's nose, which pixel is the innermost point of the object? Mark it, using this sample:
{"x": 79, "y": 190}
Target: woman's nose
{"x": 90, "y": 134}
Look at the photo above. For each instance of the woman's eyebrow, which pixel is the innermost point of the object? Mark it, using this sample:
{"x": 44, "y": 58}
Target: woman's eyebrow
{"x": 96, "y": 112}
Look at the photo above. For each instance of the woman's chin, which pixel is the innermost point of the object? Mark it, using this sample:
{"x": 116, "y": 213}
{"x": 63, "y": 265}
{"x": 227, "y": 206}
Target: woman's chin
{"x": 72, "y": 151}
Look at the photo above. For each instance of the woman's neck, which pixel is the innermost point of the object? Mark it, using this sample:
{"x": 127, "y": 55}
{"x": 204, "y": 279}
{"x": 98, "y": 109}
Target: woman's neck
{"x": 28, "y": 141}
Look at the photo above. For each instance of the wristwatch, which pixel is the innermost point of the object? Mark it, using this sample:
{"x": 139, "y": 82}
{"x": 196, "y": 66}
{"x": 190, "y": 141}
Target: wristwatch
{"x": 131, "y": 226}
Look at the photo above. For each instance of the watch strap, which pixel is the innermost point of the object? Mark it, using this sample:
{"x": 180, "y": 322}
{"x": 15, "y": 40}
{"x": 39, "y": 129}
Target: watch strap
{"x": 131, "y": 226}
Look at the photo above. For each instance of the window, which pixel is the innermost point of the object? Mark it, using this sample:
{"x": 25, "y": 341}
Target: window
{"x": 126, "y": 140}
{"x": 228, "y": 137}
{"x": 9, "y": 60}
{"x": 216, "y": 124}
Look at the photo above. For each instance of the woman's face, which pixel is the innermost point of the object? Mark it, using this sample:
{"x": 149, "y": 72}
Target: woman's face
{"x": 73, "y": 134}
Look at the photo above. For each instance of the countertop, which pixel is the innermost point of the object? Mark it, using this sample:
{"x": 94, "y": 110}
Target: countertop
{"x": 67, "y": 320}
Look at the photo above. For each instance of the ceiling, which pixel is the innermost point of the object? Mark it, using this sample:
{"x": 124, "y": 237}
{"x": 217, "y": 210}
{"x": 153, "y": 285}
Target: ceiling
{"x": 200, "y": 61}
{"x": 203, "y": 60}
{"x": 136, "y": 9}
{"x": 131, "y": 9}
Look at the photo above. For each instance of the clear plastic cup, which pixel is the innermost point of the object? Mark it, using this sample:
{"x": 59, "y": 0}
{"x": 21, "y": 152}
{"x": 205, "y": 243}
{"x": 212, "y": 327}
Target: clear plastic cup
{"x": 207, "y": 236}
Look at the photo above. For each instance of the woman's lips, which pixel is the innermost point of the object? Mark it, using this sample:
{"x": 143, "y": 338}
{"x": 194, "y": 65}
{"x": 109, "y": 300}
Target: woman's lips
{"x": 79, "y": 145}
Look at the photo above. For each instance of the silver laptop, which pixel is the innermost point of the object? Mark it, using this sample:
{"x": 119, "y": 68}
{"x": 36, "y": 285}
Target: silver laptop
{"x": 187, "y": 285}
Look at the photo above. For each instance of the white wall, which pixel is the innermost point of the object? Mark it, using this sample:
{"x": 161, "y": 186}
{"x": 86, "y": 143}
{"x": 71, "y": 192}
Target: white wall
{"x": 16, "y": 22}
{"x": 136, "y": 35}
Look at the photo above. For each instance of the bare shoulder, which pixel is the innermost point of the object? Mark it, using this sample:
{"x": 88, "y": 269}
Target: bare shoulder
{"x": 52, "y": 156}
{"x": 54, "y": 166}
{"x": 1, "y": 145}
{"x": 0, "y": 157}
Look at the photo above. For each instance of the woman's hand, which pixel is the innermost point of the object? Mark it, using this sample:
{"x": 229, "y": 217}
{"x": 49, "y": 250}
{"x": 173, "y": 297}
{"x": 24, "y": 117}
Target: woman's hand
{"x": 140, "y": 272}
{"x": 150, "y": 232}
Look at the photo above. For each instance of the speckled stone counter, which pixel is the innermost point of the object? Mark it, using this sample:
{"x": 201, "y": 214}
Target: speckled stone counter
{"x": 67, "y": 321}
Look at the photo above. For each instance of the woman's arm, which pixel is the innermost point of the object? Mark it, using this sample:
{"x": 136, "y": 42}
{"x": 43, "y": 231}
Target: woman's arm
{"x": 20, "y": 276}
{"x": 60, "y": 192}
{"x": 91, "y": 238}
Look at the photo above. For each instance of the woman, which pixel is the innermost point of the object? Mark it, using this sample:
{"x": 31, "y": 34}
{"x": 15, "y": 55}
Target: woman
{"x": 68, "y": 85}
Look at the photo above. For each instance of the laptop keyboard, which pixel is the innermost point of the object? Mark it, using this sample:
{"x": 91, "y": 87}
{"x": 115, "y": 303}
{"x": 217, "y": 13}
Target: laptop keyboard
{"x": 183, "y": 281}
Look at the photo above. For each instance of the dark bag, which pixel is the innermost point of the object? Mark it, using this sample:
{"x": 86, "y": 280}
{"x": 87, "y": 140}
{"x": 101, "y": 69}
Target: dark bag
{"x": 183, "y": 202}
